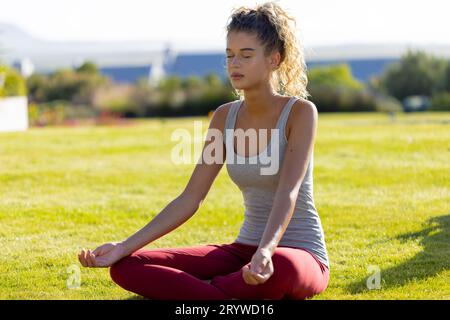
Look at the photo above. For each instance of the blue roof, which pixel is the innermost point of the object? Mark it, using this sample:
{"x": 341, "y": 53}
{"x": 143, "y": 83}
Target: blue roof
{"x": 198, "y": 65}
{"x": 126, "y": 74}
{"x": 202, "y": 64}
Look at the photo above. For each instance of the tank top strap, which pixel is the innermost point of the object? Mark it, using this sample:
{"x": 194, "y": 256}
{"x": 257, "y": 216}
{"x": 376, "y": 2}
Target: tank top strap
{"x": 232, "y": 115}
{"x": 285, "y": 113}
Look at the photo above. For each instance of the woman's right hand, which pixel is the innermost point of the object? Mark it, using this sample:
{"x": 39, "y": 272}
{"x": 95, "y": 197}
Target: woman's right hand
{"x": 104, "y": 256}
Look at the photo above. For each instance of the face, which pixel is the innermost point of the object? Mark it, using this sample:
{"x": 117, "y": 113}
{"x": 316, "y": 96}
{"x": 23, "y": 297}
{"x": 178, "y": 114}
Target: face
{"x": 245, "y": 56}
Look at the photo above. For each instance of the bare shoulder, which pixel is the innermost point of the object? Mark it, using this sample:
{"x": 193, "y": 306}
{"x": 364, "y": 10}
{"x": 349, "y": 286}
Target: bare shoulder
{"x": 303, "y": 107}
{"x": 222, "y": 110}
{"x": 303, "y": 112}
{"x": 220, "y": 115}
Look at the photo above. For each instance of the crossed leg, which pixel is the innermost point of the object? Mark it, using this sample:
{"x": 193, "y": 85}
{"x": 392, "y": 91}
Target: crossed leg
{"x": 183, "y": 273}
{"x": 175, "y": 273}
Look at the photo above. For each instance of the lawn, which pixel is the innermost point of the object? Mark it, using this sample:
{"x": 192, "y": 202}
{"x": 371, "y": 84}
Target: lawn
{"x": 381, "y": 186}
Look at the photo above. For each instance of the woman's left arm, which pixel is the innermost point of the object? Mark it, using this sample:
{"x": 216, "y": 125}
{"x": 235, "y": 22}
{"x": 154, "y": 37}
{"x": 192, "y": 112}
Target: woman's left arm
{"x": 298, "y": 151}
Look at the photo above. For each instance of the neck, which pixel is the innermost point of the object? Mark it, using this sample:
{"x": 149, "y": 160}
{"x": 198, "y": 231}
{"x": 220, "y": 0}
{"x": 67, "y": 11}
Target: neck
{"x": 260, "y": 103}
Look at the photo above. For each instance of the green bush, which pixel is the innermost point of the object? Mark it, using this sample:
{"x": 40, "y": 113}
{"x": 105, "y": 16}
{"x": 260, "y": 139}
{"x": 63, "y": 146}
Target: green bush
{"x": 385, "y": 103}
{"x": 11, "y": 83}
{"x": 174, "y": 96}
{"x": 88, "y": 67}
{"x": 333, "y": 75}
{"x": 333, "y": 88}
{"x": 58, "y": 112}
{"x": 74, "y": 86}
{"x": 440, "y": 101}
{"x": 339, "y": 98}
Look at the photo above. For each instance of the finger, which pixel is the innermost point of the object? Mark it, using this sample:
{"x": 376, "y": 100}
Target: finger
{"x": 251, "y": 281}
{"x": 246, "y": 279}
{"x": 98, "y": 251}
{"x": 82, "y": 259}
{"x": 94, "y": 259}
{"x": 79, "y": 259}
{"x": 259, "y": 278}
{"x": 86, "y": 258}
{"x": 246, "y": 274}
{"x": 268, "y": 272}
{"x": 91, "y": 258}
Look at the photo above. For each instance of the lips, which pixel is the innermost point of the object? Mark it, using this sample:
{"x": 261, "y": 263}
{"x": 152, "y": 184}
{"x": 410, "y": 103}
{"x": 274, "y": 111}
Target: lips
{"x": 236, "y": 75}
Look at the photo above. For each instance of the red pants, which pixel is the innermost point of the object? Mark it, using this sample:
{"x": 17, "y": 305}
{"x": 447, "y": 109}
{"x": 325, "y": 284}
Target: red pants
{"x": 179, "y": 273}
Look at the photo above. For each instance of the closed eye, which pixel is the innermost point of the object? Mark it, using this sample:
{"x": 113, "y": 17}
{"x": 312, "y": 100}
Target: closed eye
{"x": 244, "y": 57}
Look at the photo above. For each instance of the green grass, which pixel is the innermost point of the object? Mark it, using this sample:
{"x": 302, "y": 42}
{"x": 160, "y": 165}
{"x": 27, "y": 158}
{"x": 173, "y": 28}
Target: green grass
{"x": 382, "y": 189}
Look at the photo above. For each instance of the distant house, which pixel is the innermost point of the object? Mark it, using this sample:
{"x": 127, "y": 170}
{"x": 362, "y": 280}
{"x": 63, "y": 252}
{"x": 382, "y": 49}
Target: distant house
{"x": 191, "y": 64}
{"x": 182, "y": 65}
{"x": 13, "y": 114}
{"x": 25, "y": 66}
{"x": 196, "y": 64}
{"x": 200, "y": 64}
{"x": 153, "y": 71}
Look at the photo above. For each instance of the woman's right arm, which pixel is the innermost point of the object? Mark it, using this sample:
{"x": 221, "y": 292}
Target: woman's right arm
{"x": 178, "y": 211}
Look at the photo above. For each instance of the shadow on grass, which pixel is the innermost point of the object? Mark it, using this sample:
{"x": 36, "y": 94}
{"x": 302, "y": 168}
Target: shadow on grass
{"x": 433, "y": 259}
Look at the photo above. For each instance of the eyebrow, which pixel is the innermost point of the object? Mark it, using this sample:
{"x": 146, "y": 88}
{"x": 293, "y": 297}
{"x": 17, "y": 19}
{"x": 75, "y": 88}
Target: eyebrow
{"x": 243, "y": 49}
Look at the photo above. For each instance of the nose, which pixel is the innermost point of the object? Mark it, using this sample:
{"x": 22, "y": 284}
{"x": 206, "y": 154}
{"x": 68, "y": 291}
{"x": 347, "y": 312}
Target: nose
{"x": 234, "y": 60}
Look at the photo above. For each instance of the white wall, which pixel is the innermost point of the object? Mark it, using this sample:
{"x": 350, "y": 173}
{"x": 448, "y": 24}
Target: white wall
{"x": 13, "y": 114}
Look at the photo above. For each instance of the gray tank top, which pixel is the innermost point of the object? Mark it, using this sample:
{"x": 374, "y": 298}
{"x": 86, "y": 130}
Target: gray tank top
{"x": 305, "y": 228}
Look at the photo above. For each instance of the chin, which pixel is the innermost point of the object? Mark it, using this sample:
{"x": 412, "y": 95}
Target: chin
{"x": 240, "y": 86}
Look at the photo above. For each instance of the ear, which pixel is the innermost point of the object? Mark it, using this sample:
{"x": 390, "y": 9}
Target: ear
{"x": 275, "y": 59}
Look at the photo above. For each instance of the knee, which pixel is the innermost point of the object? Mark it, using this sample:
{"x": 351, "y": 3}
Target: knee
{"x": 120, "y": 271}
{"x": 116, "y": 271}
{"x": 285, "y": 263}
{"x": 287, "y": 272}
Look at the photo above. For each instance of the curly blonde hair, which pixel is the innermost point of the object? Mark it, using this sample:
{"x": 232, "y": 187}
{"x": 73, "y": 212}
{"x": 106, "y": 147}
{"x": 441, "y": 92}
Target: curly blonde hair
{"x": 275, "y": 30}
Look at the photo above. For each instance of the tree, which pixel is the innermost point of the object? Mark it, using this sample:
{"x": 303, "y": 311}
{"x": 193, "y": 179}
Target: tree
{"x": 334, "y": 75}
{"x": 88, "y": 67}
{"x": 75, "y": 86}
{"x": 417, "y": 73}
{"x": 447, "y": 77}
{"x": 333, "y": 88}
{"x": 11, "y": 82}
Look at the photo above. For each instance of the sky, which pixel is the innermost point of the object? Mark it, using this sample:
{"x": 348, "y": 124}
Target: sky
{"x": 201, "y": 23}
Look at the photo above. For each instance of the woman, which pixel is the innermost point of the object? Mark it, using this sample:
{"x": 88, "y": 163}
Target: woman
{"x": 280, "y": 252}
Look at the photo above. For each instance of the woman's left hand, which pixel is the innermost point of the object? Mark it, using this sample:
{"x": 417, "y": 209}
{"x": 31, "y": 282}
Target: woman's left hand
{"x": 260, "y": 268}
